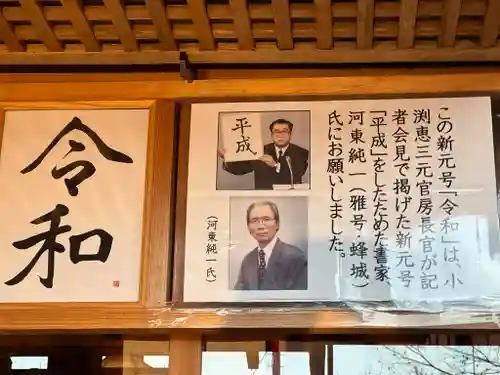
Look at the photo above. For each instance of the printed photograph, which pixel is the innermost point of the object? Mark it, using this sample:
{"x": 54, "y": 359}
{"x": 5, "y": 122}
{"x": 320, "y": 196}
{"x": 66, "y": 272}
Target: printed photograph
{"x": 267, "y": 150}
{"x": 268, "y": 238}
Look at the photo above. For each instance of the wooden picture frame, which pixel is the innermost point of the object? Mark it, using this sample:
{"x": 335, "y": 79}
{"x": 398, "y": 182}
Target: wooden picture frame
{"x": 303, "y": 316}
{"x": 156, "y": 231}
{"x": 159, "y": 93}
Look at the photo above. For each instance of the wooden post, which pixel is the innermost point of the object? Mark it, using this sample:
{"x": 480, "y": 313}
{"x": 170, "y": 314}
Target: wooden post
{"x": 276, "y": 352}
{"x": 329, "y": 356}
{"x": 185, "y": 354}
{"x": 317, "y": 351}
{"x": 75, "y": 361}
{"x": 5, "y": 365}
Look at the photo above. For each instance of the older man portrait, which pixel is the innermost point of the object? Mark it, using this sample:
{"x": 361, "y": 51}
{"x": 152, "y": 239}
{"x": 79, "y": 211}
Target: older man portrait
{"x": 272, "y": 264}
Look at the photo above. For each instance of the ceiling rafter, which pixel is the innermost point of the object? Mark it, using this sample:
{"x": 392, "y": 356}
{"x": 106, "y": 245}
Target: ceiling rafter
{"x": 491, "y": 27}
{"x": 35, "y": 15}
{"x": 407, "y": 21}
{"x": 282, "y": 24}
{"x": 365, "y": 23}
{"x": 242, "y": 24}
{"x": 324, "y": 29}
{"x": 201, "y": 24}
{"x": 158, "y": 13}
{"x": 8, "y": 36}
{"x": 121, "y": 25}
{"x": 75, "y": 14}
{"x": 450, "y": 20}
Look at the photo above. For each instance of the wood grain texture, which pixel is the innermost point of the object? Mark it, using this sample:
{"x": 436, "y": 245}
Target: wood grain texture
{"x": 223, "y": 89}
{"x": 121, "y": 25}
{"x": 44, "y": 31}
{"x": 8, "y": 36}
{"x": 282, "y": 24}
{"x": 324, "y": 29}
{"x": 449, "y": 22}
{"x": 366, "y": 12}
{"x": 261, "y": 56}
{"x": 257, "y": 11}
{"x": 92, "y": 317}
{"x": 185, "y": 354}
{"x": 181, "y": 203}
{"x": 407, "y": 21}
{"x": 201, "y": 24}
{"x": 158, "y": 14}
{"x": 81, "y": 25}
{"x": 242, "y": 25}
{"x": 491, "y": 26}
{"x": 158, "y": 208}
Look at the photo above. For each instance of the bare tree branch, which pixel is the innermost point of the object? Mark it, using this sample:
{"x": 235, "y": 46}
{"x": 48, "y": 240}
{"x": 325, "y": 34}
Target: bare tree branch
{"x": 452, "y": 361}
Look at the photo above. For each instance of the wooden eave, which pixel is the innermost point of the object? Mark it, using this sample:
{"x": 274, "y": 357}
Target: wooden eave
{"x": 247, "y": 31}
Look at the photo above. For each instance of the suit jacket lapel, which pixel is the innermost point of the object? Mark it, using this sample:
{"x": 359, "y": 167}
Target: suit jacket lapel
{"x": 270, "y": 150}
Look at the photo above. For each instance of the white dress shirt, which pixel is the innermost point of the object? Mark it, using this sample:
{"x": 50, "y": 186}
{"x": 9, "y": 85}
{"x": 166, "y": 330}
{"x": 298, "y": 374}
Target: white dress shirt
{"x": 283, "y": 150}
{"x": 268, "y": 249}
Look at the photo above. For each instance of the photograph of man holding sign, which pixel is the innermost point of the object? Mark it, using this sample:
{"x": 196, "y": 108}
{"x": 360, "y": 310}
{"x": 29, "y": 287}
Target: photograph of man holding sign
{"x": 279, "y": 164}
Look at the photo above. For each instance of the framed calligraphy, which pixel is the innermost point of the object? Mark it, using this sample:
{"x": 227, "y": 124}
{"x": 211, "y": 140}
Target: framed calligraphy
{"x": 80, "y": 190}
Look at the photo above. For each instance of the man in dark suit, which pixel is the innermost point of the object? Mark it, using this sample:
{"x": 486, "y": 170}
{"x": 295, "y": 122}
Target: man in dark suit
{"x": 273, "y": 264}
{"x": 280, "y": 161}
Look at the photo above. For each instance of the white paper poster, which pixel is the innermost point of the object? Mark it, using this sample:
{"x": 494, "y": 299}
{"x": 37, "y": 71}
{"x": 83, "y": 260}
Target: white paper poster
{"x": 241, "y": 136}
{"x": 72, "y": 185}
{"x": 400, "y": 203}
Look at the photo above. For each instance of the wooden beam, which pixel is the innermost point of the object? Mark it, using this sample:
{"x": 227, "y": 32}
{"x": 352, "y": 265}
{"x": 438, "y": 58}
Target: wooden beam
{"x": 9, "y": 37}
{"x": 258, "y": 56}
{"x": 407, "y": 21}
{"x": 37, "y": 19}
{"x": 74, "y": 10}
{"x": 102, "y": 317}
{"x": 330, "y": 359}
{"x": 242, "y": 24}
{"x": 324, "y": 29}
{"x": 491, "y": 25}
{"x": 365, "y": 14}
{"x": 253, "y": 361}
{"x": 158, "y": 13}
{"x": 201, "y": 22}
{"x": 317, "y": 353}
{"x": 157, "y": 224}
{"x": 121, "y": 25}
{"x": 449, "y": 22}
{"x": 5, "y": 364}
{"x": 185, "y": 354}
{"x": 282, "y": 24}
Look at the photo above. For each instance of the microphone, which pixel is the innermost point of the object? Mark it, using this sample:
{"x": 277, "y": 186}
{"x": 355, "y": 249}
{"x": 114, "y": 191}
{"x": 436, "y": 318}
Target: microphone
{"x": 289, "y": 162}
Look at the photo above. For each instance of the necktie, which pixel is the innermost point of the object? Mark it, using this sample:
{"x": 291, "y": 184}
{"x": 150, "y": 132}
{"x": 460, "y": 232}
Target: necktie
{"x": 284, "y": 173}
{"x": 262, "y": 266}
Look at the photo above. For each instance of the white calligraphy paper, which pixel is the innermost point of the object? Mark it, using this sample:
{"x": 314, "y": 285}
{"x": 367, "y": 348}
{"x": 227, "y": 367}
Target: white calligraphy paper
{"x": 241, "y": 136}
{"x": 437, "y": 245}
{"x": 76, "y": 179}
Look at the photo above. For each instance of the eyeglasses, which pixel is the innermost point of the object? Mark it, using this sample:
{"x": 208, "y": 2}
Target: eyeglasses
{"x": 261, "y": 220}
{"x": 276, "y": 132}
